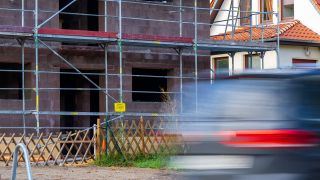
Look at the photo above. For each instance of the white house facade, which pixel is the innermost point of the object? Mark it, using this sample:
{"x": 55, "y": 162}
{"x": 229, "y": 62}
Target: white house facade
{"x": 299, "y": 34}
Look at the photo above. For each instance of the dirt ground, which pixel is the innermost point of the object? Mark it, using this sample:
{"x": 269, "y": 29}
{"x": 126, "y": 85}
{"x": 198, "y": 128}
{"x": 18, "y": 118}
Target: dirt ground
{"x": 89, "y": 172}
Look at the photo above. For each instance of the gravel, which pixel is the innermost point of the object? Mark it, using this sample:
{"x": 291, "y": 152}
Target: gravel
{"x": 89, "y": 172}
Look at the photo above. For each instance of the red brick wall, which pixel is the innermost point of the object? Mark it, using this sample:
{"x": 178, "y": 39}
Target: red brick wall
{"x": 93, "y": 59}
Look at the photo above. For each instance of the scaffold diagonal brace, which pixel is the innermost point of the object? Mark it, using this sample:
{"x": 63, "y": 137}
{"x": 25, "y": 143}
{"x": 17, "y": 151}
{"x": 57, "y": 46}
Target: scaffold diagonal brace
{"x": 76, "y": 69}
{"x": 55, "y": 14}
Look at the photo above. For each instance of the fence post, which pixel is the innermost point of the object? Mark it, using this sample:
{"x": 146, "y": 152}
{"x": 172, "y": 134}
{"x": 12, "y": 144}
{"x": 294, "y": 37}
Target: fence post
{"x": 98, "y": 140}
{"x": 103, "y": 144}
{"x": 142, "y": 132}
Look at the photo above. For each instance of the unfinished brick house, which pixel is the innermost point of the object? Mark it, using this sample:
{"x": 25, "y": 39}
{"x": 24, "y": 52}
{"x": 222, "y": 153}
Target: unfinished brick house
{"x": 54, "y": 55}
{"x": 60, "y": 88}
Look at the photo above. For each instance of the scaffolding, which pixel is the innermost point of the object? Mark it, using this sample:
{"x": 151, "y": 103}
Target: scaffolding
{"x": 43, "y": 37}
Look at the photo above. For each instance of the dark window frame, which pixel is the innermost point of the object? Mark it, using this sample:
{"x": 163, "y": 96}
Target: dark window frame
{"x": 304, "y": 63}
{"x": 139, "y": 79}
{"x": 263, "y": 15}
{"x": 246, "y": 61}
{"x": 215, "y": 61}
{"x": 244, "y": 20}
{"x": 282, "y": 12}
{"x": 11, "y": 77}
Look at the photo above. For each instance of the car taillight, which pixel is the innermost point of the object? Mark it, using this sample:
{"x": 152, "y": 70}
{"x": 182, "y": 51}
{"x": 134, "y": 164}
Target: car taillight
{"x": 269, "y": 138}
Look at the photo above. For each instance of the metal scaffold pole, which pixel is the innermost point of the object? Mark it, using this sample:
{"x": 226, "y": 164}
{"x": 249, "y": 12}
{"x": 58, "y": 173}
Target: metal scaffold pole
{"x": 120, "y": 67}
{"x": 106, "y": 56}
{"x": 196, "y": 51}
{"x": 262, "y": 59}
{"x": 106, "y": 71}
{"x": 120, "y": 52}
{"x": 105, "y": 15}
{"x": 278, "y": 34}
{"x": 262, "y": 22}
{"x": 23, "y": 70}
{"x": 232, "y": 22}
{"x": 181, "y": 80}
{"x": 36, "y": 43}
{"x": 250, "y": 16}
{"x": 22, "y": 13}
{"x": 106, "y": 88}
{"x": 180, "y": 18}
{"x": 250, "y": 54}
{"x": 23, "y": 86}
{"x": 232, "y": 54}
{"x": 180, "y": 57}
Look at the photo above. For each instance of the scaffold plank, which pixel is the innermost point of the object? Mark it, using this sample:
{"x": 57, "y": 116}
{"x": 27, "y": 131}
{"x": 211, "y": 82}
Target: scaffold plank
{"x": 76, "y": 36}
{"x": 156, "y": 41}
{"x": 230, "y": 46}
{"x": 85, "y": 36}
{"x": 145, "y": 37}
{"x": 71, "y": 32}
{"x": 15, "y": 31}
{"x": 68, "y": 35}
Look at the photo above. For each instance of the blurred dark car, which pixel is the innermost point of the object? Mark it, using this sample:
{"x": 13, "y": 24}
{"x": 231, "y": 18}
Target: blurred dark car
{"x": 252, "y": 126}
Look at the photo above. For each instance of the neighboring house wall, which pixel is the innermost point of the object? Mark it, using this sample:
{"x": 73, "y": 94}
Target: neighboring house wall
{"x": 239, "y": 64}
{"x": 306, "y": 12}
{"x": 287, "y": 54}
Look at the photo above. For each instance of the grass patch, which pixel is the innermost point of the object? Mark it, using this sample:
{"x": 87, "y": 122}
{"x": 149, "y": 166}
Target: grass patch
{"x": 151, "y": 161}
{"x": 108, "y": 161}
{"x": 154, "y": 162}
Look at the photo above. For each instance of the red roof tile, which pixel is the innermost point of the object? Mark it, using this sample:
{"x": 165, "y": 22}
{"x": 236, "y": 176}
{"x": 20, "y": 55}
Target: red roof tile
{"x": 293, "y": 30}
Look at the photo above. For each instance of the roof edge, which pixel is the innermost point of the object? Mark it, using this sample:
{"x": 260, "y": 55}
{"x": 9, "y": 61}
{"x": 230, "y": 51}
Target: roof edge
{"x": 215, "y": 10}
{"x": 316, "y": 4}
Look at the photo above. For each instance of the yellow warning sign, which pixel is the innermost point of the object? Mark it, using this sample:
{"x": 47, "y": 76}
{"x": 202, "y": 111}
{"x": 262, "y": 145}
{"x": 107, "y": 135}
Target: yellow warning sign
{"x": 119, "y": 107}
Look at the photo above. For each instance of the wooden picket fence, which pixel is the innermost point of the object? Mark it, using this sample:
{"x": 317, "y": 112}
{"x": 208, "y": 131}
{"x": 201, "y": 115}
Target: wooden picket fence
{"x": 52, "y": 149}
{"x": 132, "y": 138}
{"x": 129, "y": 138}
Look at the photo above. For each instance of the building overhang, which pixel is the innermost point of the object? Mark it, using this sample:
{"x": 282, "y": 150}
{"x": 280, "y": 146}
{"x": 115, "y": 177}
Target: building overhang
{"x": 295, "y": 42}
